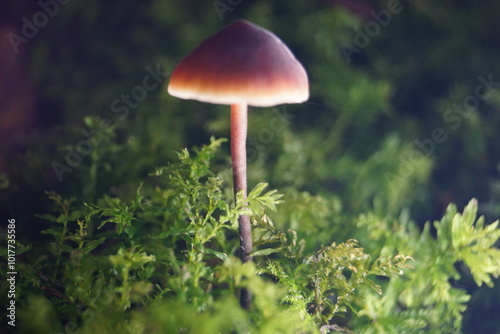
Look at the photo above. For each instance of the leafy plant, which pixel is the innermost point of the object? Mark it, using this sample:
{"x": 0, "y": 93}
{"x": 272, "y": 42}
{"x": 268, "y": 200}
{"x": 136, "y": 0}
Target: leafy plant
{"x": 169, "y": 254}
{"x": 431, "y": 292}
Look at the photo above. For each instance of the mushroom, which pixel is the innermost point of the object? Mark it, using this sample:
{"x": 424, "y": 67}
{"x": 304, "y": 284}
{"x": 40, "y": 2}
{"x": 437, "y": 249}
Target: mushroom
{"x": 241, "y": 65}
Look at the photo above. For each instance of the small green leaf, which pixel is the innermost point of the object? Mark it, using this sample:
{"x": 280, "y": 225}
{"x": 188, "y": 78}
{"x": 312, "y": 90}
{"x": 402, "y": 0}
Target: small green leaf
{"x": 220, "y": 255}
{"x": 267, "y": 251}
{"x": 91, "y": 245}
{"x": 257, "y": 190}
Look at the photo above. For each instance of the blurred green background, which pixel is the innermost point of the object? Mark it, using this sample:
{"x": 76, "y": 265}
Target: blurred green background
{"x": 402, "y": 93}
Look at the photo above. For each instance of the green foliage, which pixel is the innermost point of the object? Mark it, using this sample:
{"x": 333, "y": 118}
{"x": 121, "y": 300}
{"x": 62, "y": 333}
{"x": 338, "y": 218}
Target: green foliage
{"x": 471, "y": 242}
{"x": 168, "y": 255}
{"x": 325, "y": 282}
{"x": 431, "y": 291}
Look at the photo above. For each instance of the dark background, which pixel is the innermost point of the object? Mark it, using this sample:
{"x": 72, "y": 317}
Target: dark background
{"x": 398, "y": 83}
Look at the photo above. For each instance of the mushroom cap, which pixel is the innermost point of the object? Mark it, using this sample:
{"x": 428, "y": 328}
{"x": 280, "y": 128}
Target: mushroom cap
{"x": 242, "y": 63}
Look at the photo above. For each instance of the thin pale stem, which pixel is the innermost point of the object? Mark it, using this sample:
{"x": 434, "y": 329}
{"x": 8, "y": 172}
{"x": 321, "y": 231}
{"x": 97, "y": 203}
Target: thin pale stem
{"x": 239, "y": 123}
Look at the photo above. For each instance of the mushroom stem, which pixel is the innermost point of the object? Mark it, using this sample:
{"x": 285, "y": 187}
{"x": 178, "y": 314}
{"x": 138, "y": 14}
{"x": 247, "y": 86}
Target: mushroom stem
{"x": 239, "y": 157}
{"x": 239, "y": 122}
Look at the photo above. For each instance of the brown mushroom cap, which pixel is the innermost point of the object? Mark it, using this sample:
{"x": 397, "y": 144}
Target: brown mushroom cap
{"x": 242, "y": 63}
